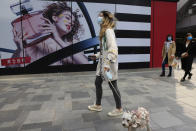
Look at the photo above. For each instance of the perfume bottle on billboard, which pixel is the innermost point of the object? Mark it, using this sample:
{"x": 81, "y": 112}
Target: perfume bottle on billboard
{"x": 28, "y": 23}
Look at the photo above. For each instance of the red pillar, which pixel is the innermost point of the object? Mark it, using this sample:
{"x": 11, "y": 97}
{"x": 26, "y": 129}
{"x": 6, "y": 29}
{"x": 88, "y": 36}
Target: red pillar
{"x": 163, "y": 22}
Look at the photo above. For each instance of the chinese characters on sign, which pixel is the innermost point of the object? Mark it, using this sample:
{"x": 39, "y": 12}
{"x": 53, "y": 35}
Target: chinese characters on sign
{"x": 14, "y": 61}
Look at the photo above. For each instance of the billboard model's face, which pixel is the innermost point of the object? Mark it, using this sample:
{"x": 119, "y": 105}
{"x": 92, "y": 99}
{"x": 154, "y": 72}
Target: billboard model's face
{"x": 63, "y": 22}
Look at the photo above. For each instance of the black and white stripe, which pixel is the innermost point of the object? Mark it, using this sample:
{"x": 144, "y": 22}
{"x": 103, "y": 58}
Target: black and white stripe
{"x": 125, "y": 2}
{"x": 133, "y": 33}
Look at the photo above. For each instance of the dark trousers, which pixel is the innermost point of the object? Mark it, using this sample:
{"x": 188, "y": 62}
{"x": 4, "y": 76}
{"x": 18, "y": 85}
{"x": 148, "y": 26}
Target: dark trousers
{"x": 99, "y": 91}
{"x": 186, "y": 73}
{"x": 164, "y": 63}
{"x": 187, "y": 66}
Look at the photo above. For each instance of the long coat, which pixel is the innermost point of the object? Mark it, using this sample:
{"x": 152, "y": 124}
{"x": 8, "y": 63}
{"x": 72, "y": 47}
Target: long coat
{"x": 187, "y": 61}
{"x": 109, "y": 57}
{"x": 171, "y": 52}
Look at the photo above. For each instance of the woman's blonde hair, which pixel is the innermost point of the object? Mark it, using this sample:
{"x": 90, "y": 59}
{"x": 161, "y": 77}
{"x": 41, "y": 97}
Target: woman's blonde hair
{"x": 109, "y": 21}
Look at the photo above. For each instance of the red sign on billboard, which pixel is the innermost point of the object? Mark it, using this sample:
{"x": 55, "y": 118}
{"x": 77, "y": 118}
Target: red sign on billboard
{"x": 14, "y": 61}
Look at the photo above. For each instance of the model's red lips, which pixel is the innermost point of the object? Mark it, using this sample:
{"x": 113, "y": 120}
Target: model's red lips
{"x": 68, "y": 27}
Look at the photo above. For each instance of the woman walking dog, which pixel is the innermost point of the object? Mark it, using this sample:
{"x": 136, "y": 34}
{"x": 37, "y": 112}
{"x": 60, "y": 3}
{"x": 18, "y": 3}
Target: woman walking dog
{"x": 108, "y": 63}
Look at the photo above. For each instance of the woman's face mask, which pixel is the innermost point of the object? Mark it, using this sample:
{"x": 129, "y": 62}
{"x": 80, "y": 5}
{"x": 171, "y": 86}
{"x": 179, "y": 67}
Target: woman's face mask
{"x": 169, "y": 38}
{"x": 109, "y": 75}
{"x": 190, "y": 38}
{"x": 100, "y": 20}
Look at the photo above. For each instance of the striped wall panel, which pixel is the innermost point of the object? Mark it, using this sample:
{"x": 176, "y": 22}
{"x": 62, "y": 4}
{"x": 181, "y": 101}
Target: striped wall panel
{"x": 125, "y": 2}
{"x": 133, "y": 33}
{"x": 132, "y": 9}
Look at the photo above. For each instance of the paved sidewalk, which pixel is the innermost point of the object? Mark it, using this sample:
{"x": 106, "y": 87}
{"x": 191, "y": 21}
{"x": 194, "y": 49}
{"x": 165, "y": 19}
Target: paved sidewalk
{"x": 58, "y": 102}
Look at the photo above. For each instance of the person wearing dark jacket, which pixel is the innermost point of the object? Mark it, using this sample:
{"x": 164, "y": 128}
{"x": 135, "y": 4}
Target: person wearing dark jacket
{"x": 186, "y": 53}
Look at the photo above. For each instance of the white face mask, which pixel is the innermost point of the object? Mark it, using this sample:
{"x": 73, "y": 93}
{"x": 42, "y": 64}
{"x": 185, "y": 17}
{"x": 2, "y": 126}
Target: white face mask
{"x": 99, "y": 20}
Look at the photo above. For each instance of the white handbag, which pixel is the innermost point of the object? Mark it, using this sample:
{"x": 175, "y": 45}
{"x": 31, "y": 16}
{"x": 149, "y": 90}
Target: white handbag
{"x": 176, "y": 64}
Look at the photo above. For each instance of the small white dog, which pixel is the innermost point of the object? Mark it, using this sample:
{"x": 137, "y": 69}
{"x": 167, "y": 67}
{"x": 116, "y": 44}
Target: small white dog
{"x": 136, "y": 119}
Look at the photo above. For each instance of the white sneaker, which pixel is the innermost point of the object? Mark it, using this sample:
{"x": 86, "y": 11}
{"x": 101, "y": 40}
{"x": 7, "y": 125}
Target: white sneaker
{"x": 115, "y": 112}
{"x": 95, "y": 108}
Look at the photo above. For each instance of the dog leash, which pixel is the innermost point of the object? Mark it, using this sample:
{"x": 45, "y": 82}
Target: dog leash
{"x": 118, "y": 94}
{"x": 107, "y": 79}
{"x": 125, "y": 107}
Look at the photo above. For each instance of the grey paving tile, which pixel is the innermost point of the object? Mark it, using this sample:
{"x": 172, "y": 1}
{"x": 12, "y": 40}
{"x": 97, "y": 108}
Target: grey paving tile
{"x": 10, "y": 115}
{"x": 8, "y": 129}
{"x": 160, "y": 101}
{"x": 20, "y": 120}
{"x": 7, "y": 107}
{"x": 85, "y": 129}
{"x": 153, "y": 125}
{"x": 1, "y": 105}
{"x": 89, "y": 117}
{"x": 74, "y": 124}
{"x": 165, "y": 119}
{"x": 11, "y": 97}
{"x": 34, "y": 129}
{"x": 42, "y": 98}
{"x": 76, "y": 95}
{"x": 8, "y": 94}
{"x": 119, "y": 127}
{"x": 166, "y": 129}
{"x": 110, "y": 100}
{"x": 81, "y": 105}
{"x": 40, "y": 116}
{"x": 135, "y": 92}
{"x": 183, "y": 117}
{"x": 60, "y": 116}
{"x": 184, "y": 128}
{"x": 53, "y": 128}
{"x": 30, "y": 107}
{"x": 2, "y": 100}
{"x": 61, "y": 98}
{"x": 7, "y": 124}
{"x": 36, "y": 125}
{"x": 104, "y": 125}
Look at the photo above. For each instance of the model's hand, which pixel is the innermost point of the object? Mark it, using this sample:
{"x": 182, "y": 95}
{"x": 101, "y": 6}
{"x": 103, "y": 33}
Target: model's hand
{"x": 49, "y": 27}
{"x": 18, "y": 38}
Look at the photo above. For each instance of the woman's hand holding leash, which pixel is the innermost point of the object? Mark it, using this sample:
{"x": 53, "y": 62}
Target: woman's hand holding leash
{"x": 106, "y": 69}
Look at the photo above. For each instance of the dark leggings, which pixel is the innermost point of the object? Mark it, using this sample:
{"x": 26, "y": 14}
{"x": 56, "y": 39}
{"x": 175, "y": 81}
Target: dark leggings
{"x": 99, "y": 91}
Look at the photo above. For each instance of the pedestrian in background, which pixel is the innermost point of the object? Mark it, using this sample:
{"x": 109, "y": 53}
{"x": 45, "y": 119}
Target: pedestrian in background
{"x": 168, "y": 54}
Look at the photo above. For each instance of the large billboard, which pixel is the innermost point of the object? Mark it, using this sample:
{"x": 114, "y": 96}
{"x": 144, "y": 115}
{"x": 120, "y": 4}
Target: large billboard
{"x": 40, "y": 33}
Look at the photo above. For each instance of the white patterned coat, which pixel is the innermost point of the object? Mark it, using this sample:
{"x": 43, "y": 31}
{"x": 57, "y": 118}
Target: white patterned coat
{"x": 109, "y": 54}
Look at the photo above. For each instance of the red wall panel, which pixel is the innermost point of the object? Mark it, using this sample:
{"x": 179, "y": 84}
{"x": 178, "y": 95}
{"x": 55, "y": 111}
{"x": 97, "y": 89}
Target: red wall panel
{"x": 163, "y": 22}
